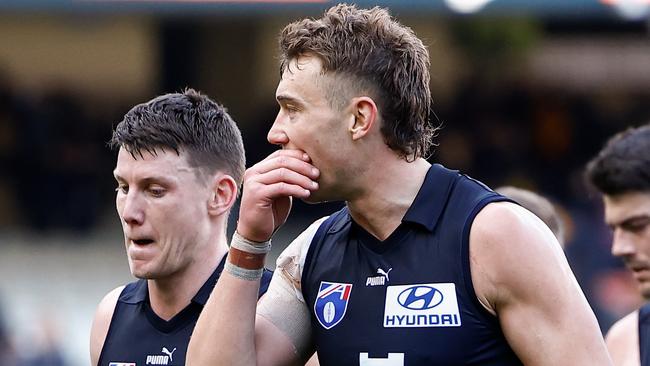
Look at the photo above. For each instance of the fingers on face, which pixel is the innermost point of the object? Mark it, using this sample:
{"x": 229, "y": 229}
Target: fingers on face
{"x": 285, "y": 172}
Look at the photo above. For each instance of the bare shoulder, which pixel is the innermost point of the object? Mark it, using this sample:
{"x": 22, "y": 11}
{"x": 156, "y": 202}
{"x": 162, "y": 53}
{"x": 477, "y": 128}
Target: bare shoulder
{"x": 101, "y": 322}
{"x": 510, "y": 246}
{"x": 623, "y": 340}
{"x": 501, "y": 223}
{"x": 520, "y": 273}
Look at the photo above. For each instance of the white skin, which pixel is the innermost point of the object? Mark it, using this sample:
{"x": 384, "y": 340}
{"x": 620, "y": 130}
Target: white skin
{"x": 628, "y": 215}
{"x": 515, "y": 259}
{"x": 174, "y": 223}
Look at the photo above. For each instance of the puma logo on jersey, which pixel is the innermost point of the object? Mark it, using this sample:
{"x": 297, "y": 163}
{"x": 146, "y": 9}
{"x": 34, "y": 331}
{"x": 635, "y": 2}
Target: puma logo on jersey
{"x": 170, "y": 354}
{"x": 161, "y": 359}
{"x": 378, "y": 280}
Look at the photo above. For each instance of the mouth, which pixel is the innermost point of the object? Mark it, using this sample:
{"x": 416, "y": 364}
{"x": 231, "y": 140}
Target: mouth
{"x": 144, "y": 241}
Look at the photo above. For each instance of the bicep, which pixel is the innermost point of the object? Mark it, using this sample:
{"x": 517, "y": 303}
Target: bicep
{"x": 273, "y": 346}
{"x": 282, "y": 328}
{"x": 524, "y": 275}
{"x": 101, "y": 323}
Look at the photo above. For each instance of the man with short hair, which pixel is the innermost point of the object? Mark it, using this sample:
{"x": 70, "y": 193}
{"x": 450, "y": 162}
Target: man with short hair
{"x": 621, "y": 172}
{"x": 423, "y": 266}
{"x": 179, "y": 165}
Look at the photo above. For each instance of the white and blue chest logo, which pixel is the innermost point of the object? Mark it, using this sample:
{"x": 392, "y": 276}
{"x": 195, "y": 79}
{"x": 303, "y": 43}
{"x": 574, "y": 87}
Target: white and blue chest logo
{"x": 331, "y": 303}
{"x": 421, "y": 305}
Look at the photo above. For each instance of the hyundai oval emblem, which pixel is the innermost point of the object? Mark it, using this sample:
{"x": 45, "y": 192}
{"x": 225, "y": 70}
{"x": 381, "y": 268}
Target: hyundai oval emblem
{"x": 420, "y": 297}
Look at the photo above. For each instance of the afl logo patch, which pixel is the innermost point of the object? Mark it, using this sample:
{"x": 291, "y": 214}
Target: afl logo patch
{"x": 332, "y": 303}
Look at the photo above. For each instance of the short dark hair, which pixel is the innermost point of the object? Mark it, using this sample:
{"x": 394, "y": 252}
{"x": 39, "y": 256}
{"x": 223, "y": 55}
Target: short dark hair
{"x": 623, "y": 165}
{"x": 187, "y": 121}
{"x": 371, "y": 52}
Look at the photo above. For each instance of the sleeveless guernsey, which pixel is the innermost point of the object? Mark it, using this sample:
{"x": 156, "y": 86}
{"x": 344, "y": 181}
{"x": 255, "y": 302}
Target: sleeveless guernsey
{"x": 138, "y": 337}
{"x": 408, "y": 300}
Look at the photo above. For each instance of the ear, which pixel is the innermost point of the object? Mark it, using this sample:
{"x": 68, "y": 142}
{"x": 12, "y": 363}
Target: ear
{"x": 365, "y": 113}
{"x": 224, "y": 194}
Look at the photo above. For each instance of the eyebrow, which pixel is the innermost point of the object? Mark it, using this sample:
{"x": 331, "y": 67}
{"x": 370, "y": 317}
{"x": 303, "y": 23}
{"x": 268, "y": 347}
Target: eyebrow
{"x": 145, "y": 180}
{"x": 284, "y": 98}
{"x": 630, "y": 220}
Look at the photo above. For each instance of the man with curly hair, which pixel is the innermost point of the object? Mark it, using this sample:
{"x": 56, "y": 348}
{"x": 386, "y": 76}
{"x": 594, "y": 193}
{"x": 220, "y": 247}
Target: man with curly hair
{"x": 423, "y": 265}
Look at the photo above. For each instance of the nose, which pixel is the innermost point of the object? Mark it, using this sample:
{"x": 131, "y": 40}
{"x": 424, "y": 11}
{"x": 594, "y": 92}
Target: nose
{"x": 130, "y": 208}
{"x": 277, "y": 135}
{"x": 622, "y": 244}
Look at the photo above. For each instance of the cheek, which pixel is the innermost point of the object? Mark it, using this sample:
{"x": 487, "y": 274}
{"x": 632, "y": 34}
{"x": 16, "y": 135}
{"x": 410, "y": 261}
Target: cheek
{"x": 119, "y": 206}
{"x": 183, "y": 216}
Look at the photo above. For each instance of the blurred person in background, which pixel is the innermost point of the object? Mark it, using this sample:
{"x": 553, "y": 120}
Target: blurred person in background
{"x": 621, "y": 172}
{"x": 8, "y": 355}
{"x": 539, "y": 205}
{"x": 423, "y": 266}
{"x": 179, "y": 167}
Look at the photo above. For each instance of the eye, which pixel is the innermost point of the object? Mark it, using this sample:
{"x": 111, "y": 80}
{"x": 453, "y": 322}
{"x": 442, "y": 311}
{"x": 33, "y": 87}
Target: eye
{"x": 122, "y": 188}
{"x": 291, "y": 110}
{"x": 156, "y": 191}
{"x": 637, "y": 225}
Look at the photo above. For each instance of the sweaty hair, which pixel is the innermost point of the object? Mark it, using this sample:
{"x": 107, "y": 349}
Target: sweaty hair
{"x": 538, "y": 205}
{"x": 623, "y": 165}
{"x": 189, "y": 122}
{"x": 366, "y": 50}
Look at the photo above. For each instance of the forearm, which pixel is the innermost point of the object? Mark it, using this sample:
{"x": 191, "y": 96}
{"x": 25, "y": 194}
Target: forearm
{"x": 225, "y": 331}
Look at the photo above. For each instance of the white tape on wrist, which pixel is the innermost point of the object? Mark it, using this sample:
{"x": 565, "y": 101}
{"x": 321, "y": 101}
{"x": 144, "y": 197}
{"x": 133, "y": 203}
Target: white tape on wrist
{"x": 250, "y": 246}
{"x": 243, "y": 273}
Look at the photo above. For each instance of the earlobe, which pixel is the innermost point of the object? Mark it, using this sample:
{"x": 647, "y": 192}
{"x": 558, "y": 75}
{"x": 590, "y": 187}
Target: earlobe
{"x": 365, "y": 115}
{"x": 224, "y": 194}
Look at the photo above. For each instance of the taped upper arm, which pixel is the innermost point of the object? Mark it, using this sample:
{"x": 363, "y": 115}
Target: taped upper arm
{"x": 101, "y": 323}
{"x": 283, "y": 305}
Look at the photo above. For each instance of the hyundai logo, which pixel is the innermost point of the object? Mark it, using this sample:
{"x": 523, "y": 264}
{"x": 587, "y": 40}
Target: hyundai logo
{"x": 420, "y": 297}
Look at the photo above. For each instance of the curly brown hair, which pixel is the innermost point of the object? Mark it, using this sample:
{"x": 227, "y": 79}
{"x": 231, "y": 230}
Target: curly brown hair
{"x": 366, "y": 50}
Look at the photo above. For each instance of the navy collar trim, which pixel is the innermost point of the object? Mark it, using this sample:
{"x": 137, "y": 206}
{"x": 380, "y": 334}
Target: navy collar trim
{"x": 202, "y": 296}
{"x": 432, "y": 198}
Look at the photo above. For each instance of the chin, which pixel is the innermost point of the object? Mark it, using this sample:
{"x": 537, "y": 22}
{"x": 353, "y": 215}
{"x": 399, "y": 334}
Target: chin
{"x": 312, "y": 200}
{"x": 645, "y": 290}
{"x": 142, "y": 272}
{"x": 321, "y": 196}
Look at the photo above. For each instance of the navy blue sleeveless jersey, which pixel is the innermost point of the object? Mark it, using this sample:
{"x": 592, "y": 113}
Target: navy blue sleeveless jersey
{"x": 138, "y": 337}
{"x": 408, "y": 300}
{"x": 644, "y": 334}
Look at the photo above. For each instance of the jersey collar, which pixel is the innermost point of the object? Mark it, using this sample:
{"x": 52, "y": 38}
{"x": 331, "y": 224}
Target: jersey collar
{"x": 432, "y": 198}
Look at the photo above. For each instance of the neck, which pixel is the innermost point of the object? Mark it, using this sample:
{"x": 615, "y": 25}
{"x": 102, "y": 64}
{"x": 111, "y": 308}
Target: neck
{"x": 169, "y": 295}
{"x": 386, "y": 195}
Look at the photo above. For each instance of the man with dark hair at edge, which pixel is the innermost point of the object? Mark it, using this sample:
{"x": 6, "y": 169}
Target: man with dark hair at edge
{"x": 423, "y": 265}
{"x": 621, "y": 172}
{"x": 541, "y": 206}
{"x": 180, "y": 163}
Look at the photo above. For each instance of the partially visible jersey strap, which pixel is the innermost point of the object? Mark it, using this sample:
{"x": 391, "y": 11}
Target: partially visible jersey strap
{"x": 331, "y": 223}
{"x": 644, "y": 334}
